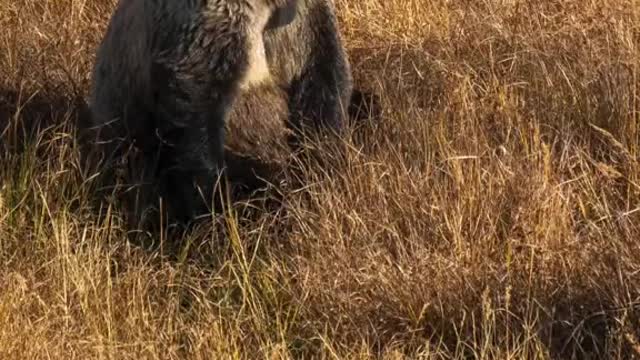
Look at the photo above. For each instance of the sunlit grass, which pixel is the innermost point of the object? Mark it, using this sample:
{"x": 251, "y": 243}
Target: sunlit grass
{"x": 494, "y": 211}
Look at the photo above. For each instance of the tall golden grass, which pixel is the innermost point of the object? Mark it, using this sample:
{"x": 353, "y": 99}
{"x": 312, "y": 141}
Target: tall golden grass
{"x": 493, "y": 213}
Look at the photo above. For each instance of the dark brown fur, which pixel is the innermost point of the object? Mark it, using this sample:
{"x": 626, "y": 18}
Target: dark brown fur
{"x": 311, "y": 89}
{"x": 165, "y": 77}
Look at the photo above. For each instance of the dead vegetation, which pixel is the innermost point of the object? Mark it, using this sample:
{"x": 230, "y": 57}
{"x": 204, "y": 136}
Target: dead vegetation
{"x": 494, "y": 212}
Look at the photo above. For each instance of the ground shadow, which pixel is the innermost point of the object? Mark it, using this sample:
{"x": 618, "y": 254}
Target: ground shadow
{"x": 24, "y": 117}
{"x": 27, "y": 119}
{"x": 365, "y": 108}
{"x": 578, "y": 326}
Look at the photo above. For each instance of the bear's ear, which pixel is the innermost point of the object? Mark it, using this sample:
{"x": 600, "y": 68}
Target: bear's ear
{"x": 283, "y": 15}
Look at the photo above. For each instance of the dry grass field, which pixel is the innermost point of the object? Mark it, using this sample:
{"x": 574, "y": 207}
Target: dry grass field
{"x": 492, "y": 213}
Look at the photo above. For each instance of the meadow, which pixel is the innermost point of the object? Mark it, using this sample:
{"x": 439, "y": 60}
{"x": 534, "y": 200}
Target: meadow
{"x": 492, "y": 212}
